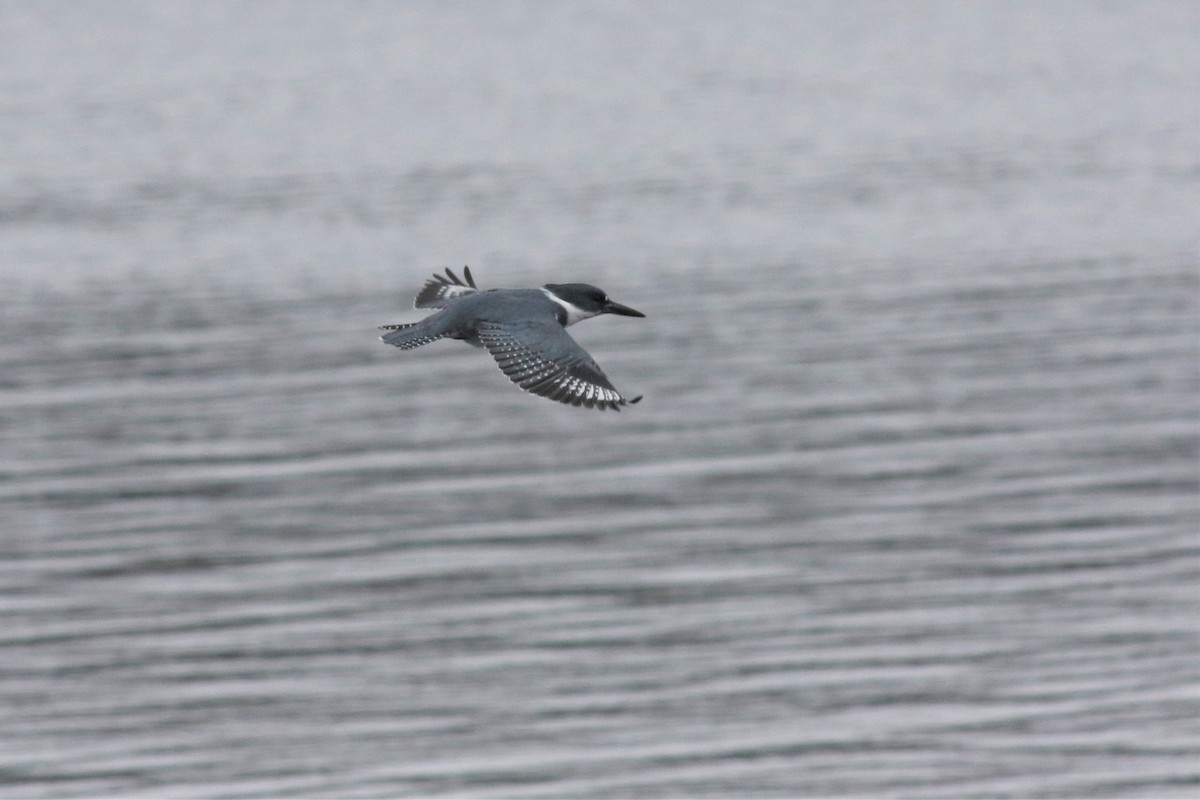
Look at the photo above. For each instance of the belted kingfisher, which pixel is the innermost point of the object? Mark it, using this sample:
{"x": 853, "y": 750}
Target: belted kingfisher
{"x": 524, "y": 330}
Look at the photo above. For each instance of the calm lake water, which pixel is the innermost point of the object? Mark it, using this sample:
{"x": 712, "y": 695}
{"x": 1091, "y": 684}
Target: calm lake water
{"x": 911, "y": 507}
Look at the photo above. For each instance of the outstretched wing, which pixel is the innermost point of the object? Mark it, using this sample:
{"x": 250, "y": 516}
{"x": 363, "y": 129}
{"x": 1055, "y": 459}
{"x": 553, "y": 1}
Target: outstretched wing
{"x": 542, "y": 358}
{"x": 438, "y": 291}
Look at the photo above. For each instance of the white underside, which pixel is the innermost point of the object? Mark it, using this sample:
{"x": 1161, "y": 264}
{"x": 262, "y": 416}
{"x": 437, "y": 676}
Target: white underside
{"x": 574, "y": 312}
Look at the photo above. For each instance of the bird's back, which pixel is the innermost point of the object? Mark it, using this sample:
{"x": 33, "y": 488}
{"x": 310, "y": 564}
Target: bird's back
{"x": 503, "y": 305}
{"x": 461, "y": 317}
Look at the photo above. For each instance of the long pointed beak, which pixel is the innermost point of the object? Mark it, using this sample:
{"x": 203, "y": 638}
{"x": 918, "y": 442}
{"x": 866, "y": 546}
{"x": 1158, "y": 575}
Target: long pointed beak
{"x": 616, "y": 308}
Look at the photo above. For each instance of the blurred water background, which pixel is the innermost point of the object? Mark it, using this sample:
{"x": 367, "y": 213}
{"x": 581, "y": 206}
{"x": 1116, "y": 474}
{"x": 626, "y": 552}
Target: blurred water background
{"x": 911, "y": 506}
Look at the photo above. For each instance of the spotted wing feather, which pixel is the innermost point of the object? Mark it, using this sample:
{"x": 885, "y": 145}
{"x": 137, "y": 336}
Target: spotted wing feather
{"x": 542, "y": 358}
{"x": 439, "y": 290}
{"x": 407, "y": 336}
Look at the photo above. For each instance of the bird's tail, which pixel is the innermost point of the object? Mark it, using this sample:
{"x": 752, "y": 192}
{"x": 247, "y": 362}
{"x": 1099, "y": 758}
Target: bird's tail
{"x": 406, "y": 337}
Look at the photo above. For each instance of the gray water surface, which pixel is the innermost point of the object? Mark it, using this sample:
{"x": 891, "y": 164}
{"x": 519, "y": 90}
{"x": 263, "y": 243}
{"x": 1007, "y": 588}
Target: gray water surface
{"x": 911, "y": 505}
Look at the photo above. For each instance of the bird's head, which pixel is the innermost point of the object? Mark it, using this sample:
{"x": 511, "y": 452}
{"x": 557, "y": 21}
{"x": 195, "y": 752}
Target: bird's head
{"x": 582, "y": 300}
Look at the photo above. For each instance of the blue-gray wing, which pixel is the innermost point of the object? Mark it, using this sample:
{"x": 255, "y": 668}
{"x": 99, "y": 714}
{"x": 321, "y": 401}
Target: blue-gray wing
{"x": 542, "y": 358}
{"x": 438, "y": 291}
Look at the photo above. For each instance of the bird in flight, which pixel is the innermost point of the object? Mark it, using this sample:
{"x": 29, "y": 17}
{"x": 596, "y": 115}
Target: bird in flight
{"x": 525, "y": 330}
